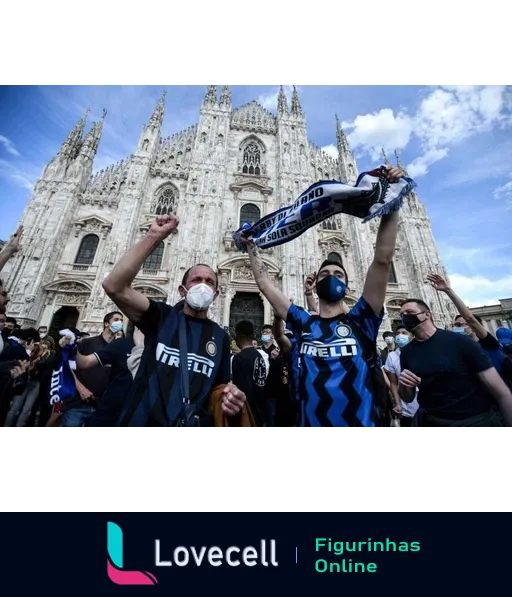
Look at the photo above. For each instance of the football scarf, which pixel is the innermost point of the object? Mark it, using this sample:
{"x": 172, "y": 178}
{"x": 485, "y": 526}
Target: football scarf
{"x": 373, "y": 196}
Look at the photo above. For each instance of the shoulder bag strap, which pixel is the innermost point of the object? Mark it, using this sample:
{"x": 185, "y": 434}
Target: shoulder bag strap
{"x": 185, "y": 386}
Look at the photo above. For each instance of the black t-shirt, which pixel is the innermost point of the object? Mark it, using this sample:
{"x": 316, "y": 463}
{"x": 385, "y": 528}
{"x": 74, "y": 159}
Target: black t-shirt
{"x": 274, "y": 383}
{"x": 96, "y": 379}
{"x": 249, "y": 375}
{"x": 155, "y": 398}
{"x": 448, "y": 365}
{"x": 497, "y": 356}
{"x": 114, "y": 356}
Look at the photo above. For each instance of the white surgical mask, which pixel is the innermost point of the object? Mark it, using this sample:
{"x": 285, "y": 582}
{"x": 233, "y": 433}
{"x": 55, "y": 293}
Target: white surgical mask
{"x": 42, "y": 335}
{"x": 116, "y": 326}
{"x": 461, "y": 331}
{"x": 389, "y": 341}
{"x": 266, "y": 339}
{"x": 200, "y": 297}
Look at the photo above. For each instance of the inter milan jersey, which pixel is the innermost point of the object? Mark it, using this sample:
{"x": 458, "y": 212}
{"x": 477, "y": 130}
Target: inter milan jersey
{"x": 155, "y": 399}
{"x": 334, "y": 382}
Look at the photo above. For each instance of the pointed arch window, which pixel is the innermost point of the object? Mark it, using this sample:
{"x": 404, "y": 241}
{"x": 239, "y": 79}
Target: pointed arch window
{"x": 329, "y": 224}
{"x": 335, "y": 257}
{"x": 249, "y": 213}
{"x": 252, "y": 159}
{"x": 154, "y": 261}
{"x": 87, "y": 250}
{"x": 165, "y": 201}
{"x": 392, "y": 275}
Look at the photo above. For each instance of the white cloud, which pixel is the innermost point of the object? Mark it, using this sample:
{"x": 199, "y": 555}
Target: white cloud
{"x": 504, "y": 193}
{"x": 331, "y": 150}
{"x": 269, "y": 100}
{"x": 371, "y": 132}
{"x": 9, "y": 146}
{"x": 478, "y": 291}
{"x": 446, "y": 116}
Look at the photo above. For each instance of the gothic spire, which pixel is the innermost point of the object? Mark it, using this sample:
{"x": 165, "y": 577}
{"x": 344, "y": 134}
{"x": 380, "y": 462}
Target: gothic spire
{"x": 225, "y": 98}
{"x": 341, "y": 137}
{"x": 92, "y": 140}
{"x": 399, "y": 162}
{"x": 384, "y": 155}
{"x": 296, "y": 107}
{"x": 71, "y": 145}
{"x": 211, "y": 95}
{"x": 282, "y": 103}
{"x": 158, "y": 113}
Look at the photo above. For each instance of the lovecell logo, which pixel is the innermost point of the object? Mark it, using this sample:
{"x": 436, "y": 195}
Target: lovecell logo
{"x": 264, "y": 555}
{"x": 115, "y": 561}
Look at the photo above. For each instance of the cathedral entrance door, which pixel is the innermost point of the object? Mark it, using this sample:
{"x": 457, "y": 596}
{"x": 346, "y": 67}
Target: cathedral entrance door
{"x": 246, "y": 306}
{"x": 64, "y": 318}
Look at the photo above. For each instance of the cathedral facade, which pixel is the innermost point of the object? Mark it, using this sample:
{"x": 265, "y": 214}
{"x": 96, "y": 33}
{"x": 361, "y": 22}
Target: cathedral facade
{"x": 235, "y": 165}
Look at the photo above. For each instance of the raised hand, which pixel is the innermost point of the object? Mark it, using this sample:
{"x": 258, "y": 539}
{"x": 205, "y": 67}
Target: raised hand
{"x": 310, "y": 283}
{"x": 164, "y": 226}
{"x": 394, "y": 174}
{"x": 438, "y": 282}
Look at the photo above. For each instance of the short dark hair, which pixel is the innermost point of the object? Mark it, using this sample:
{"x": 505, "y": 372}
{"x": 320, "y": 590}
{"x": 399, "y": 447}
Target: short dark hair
{"x": 419, "y": 302}
{"x": 42, "y": 327}
{"x": 109, "y": 316}
{"x": 329, "y": 262}
{"x": 244, "y": 329}
{"x": 187, "y": 274}
{"x": 11, "y": 320}
{"x": 479, "y": 319}
{"x": 388, "y": 335}
{"x": 29, "y": 335}
{"x": 267, "y": 326}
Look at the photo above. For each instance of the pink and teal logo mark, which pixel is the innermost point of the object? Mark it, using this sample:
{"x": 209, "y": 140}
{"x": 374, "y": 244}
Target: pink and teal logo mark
{"x": 116, "y": 573}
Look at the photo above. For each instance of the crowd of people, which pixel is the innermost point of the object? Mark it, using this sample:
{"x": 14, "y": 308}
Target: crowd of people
{"x": 313, "y": 367}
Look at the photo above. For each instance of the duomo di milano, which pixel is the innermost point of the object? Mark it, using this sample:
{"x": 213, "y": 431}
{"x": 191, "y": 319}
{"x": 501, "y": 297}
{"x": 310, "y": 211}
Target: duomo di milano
{"x": 236, "y": 164}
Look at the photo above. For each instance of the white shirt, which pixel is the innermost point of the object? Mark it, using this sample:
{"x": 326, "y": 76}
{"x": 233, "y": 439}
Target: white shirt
{"x": 393, "y": 366}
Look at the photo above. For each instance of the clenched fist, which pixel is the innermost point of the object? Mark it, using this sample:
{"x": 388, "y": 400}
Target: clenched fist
{"x": 233, "y": 400}
{"x": 409, "y": 380}
{"x": 164, "y": 226}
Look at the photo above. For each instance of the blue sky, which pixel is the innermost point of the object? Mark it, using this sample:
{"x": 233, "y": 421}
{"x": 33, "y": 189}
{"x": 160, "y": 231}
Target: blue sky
{"x": 456, "y": 141}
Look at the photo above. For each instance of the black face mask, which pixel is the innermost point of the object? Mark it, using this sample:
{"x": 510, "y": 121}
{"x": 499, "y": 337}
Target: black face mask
{"x": 411, "y": 322}
{"x": 331, "y": 289}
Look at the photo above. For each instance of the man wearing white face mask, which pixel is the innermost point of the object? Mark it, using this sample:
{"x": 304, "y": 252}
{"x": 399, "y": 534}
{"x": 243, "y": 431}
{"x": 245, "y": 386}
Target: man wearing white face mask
{"x": 165, "y": 394}
{"x": 91, "y": 383}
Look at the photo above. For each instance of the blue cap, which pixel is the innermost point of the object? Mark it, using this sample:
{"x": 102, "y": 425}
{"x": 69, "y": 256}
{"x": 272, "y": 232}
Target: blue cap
{"x": 504, "y": 336}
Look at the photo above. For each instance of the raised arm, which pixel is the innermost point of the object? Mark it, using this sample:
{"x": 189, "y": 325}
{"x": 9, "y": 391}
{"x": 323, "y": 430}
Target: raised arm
{"x": 118, "y": 284}
{"x": 309, "y": 287}
{"x": 279, "y": 302}
{"x": 12, "y": 247}
{"x": 378, "y": 275}
{"x": 496, "y": 386}
{"x": 441, "y": 285}
{"x": 284, "y": 344}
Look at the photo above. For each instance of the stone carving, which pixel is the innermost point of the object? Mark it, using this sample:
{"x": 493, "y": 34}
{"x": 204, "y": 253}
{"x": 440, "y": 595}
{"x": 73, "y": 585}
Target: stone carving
{"x": 112, "y": 253}
{"x": 243, "y": 272}
{"x": 254, "y": 118}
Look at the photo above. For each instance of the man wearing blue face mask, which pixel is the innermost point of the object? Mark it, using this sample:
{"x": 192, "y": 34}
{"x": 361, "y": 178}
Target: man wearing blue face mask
{"x": 341, "y": 381}
{"x": 91, "y": 383}
{"x": 392, "y": 368}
